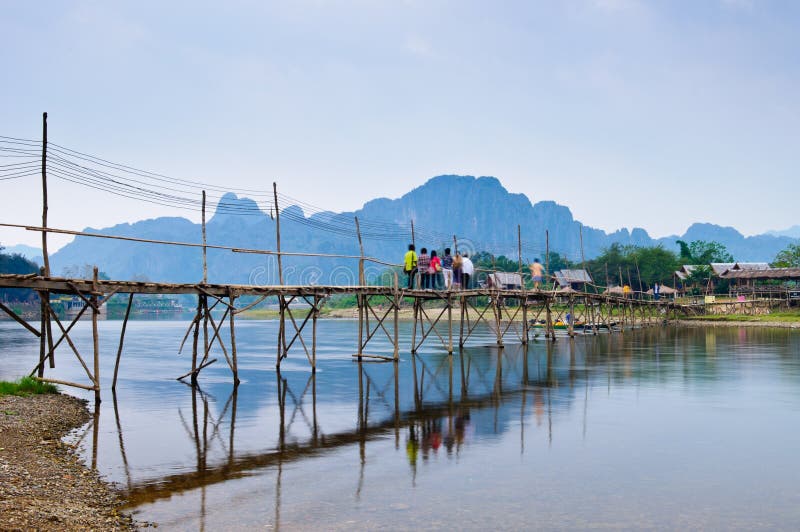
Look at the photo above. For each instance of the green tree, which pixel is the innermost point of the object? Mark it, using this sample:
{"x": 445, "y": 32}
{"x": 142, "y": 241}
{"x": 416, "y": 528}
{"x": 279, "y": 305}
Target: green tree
{"x": 634, "y": 265}
{"x": 702, "y": 252}
{"x": 788, "y": 258}
{"x": 16, "y": 263}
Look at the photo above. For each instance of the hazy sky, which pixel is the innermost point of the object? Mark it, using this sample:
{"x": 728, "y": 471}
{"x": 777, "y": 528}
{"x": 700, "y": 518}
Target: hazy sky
{"x": 632, "y": 113}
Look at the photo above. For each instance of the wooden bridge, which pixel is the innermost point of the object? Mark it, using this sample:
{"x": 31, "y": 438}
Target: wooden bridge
{"x": 514, "y": 315}
{"x": 446, "y": 319}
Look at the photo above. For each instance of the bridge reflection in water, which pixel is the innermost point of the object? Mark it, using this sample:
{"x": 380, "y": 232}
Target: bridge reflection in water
{"x": 450, "y": 397}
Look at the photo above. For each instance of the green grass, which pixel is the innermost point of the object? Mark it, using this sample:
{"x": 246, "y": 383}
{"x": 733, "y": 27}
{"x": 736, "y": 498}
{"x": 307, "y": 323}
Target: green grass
{"x": 26, "y": 386}
{"x": 788, "y": 316}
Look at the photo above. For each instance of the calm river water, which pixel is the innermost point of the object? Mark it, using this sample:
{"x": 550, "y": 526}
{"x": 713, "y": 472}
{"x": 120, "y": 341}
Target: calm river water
{"x": 658, "y": 428}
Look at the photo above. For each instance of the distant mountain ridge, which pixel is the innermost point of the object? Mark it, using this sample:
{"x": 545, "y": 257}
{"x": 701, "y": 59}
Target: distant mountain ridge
{"x": 480, "y": 211}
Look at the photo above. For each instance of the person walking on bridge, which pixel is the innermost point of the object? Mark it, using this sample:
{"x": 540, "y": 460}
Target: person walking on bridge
{"x": 467, "y": 271}
{"x": 447, "y": 269}
{"x": 424, "y": 269}
{"x": 410, "y": 265}
{"x": 537, "y": 273}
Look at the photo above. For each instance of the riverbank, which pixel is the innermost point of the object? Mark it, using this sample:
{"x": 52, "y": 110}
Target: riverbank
{"x": 43, "y": 485}
{"x": 699, "y": 322}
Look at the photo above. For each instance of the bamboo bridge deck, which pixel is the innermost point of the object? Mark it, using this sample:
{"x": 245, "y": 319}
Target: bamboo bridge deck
{"x": 448, "y": 319}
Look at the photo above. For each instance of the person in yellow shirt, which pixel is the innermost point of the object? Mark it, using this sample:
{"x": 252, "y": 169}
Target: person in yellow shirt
{"x": 410, "y": 265}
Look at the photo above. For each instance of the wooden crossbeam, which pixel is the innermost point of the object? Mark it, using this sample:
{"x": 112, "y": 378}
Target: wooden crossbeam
{"x": 65, "y": 335}
{"x": 471, "y": 328}
{"x": 432, "y": 328}
{"x": 19, "y": 320}
{"x": 380, "y": 319}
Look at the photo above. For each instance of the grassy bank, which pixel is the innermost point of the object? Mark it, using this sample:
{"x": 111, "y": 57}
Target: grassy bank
{"x": 786, "y": 316}
{"x": 26, "y": 386}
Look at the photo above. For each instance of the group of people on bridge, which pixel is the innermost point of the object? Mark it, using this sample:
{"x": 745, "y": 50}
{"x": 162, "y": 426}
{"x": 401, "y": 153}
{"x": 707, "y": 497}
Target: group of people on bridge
{"x": 431, "y": 272}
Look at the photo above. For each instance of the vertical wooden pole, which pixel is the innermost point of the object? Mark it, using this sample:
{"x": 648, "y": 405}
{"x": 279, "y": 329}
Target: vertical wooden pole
{"x": 45, "y": 255}
{"x": 570, "y": 328}
{"x": 281, "y": 299}
{"x": 413, "y": 241}
{"x": 46, "y": 331}
{"x": 497, "y": 315}
{"x": 278, "y": 232}
{"x": 195, "y": 339}
{"x": 463, "y": 304}
{"x": 121, "y": 341}
{"x": 361, "y": 278}
{"x": 232, "y": 301}
{"x": 549, "y": 325}
{"x": 315, "y": 310}
{"x": 95, "y": 338}
{"x": 205, "y": 264}
{"x": 524, "y": 298}
{"x": 414, "y": 328}
{"x": 396, "y": 318}
{"x": 206, "y": 346}
{"x": 455, "y": 245}
{"x": 546, "y": 255}
{"x": 360, "y": 302}
{"x": 42, "y": 339}
{"x": 449, "y": 324}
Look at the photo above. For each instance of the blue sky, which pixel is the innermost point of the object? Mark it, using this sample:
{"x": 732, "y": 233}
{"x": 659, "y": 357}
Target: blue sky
{"x": 631, "y": 113}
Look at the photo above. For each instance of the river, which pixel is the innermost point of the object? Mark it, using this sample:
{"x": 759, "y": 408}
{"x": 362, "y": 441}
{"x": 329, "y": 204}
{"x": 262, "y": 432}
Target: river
{"x": 656, "y": 428}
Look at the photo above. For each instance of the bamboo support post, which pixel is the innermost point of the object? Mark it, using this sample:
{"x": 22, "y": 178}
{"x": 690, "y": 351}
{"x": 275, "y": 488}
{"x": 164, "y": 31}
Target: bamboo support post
{"x": 42, "y": 338}
{"x": 45, "y": 255}
{"x": 205, "y": 261}
{"x": 121, "y": 341}
{"x": 95, "y": 337}
{"x": 232, "y": 320}
{"x": 196, "y": 340}
{"x": 396, "y": 301}
{"x": 361, "y": 278}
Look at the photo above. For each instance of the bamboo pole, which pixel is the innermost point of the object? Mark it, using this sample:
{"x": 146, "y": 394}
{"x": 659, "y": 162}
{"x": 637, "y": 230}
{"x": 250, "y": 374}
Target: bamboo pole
{"x": 524, "y": 299}
{"x": 196, "y": 341}
{"x": 549, "y": 325}
{"x": 361, "y": 278}
{"x": 315, "y": 311}
{"x": 278, "y": 232}
{"x": 414, "y": 327}
{"x": 121, "y": 340}
{"x": 42, "y": 339}
{"x": 449, "y": 324}
{"x": 232, "y": 322}
{"x": 66, "y": 383}
{"x": 45, "y": 255}
{"x": 396, "y": 318}
{"x": 205, "y": 263}
{"x": 95, "y": 337}
{"x": 13, "y": 315}
{"x": 360, "y": 302}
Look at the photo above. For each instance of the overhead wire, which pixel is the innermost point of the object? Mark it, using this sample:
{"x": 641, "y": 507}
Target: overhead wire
{"x": 154, "y": 188}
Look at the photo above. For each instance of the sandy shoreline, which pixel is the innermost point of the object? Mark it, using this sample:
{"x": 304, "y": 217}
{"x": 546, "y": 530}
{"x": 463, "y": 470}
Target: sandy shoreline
{"x": 43, "y": 484}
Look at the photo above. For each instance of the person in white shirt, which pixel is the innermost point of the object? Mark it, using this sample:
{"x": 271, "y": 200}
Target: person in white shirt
{"x": 467, "y": 269}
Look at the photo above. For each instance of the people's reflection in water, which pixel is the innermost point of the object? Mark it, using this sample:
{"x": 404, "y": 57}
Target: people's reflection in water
{"x": 431, "y": 437}
{"x": 538, "y": 406}
{"x": 427, "y": 437}
{"x": 412, "y": 445}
